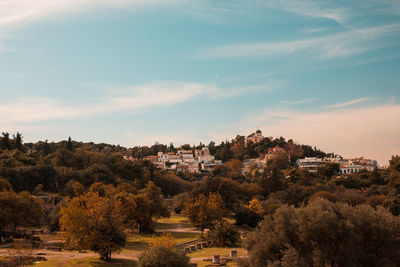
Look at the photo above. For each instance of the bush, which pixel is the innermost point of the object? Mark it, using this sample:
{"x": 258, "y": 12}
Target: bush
{"x": 223, "y": 234}
{"x": 161, "y": 256}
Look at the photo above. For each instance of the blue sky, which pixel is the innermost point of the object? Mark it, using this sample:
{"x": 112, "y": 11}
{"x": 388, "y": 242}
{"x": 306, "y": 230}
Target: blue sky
{"x": 133, "y": 72}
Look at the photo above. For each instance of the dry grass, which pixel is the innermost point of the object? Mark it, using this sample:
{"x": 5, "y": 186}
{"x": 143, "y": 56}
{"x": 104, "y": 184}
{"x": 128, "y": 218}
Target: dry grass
{"x": 140, "y": 242}
{"x": 209, "y": 252}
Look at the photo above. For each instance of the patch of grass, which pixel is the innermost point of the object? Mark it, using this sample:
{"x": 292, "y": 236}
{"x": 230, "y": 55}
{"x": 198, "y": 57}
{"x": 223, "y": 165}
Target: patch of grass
{"x": 209, "y": 252}
{"x": 175, "y": 218}
{"x": 89, "y": 262}
{"x": 140, "y": 242}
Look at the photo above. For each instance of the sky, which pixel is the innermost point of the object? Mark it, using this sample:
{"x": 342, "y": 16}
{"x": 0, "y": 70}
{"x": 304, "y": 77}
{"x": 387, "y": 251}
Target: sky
{"x": 133, "y": 72}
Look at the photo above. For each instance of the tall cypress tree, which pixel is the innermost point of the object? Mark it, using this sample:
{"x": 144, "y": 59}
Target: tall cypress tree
{"x": 18, "y": 142}
{"x": 69, "y": 144}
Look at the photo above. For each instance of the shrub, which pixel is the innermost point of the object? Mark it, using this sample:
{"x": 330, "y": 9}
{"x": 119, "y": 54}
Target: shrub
{"x": 161, "y": 256}
{"x": 223, "y": 234}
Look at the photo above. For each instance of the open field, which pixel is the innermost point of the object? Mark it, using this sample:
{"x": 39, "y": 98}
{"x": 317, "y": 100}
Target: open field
{"x": 177, "y": 225}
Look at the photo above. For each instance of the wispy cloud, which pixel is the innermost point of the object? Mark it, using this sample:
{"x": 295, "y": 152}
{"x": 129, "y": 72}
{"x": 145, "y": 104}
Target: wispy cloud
{"x": 313, "y": 30}
{"x": 310, "y": 8}
{"x": 346, "y": 13}
{"x": 126, "y": 99}
{"x": 348, "y": 103}
{"x": 15, "y": 13}
{"x": 340, "y": 45}
{"x": 295, "y": 102}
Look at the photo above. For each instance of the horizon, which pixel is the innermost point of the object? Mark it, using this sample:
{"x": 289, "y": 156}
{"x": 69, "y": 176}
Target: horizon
{"x": 134, "y": 72}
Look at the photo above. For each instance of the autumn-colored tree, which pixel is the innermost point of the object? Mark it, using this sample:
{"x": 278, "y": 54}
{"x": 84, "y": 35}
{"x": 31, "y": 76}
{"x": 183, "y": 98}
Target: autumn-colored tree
{"x": 256, "y": 207}
{"x": 90, "y": 221}
{"x": 205, "y": 210}
{"x": 235, "y": 165}
{"x": 138, "y": 210}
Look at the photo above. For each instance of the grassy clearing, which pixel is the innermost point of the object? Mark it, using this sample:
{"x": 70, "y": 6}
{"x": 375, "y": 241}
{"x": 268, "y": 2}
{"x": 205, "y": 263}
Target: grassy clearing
{"x": 89, "y": 261}
{"x": 209, "y": 252}
{"x": 174, "y": 222}
{"x": 140, "y": 242}
{"x": 175, "y": 218}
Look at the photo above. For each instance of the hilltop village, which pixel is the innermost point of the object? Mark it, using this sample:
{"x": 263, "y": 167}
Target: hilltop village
{"x": 200, "y": 160}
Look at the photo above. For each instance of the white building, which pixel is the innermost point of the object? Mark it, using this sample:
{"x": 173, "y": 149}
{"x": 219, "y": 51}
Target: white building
{"x": 355, "y": 165}
{"x": 254, "y": 137}
{"x": 311, "y": 164}
{"x": 203, "y": 155}
{"x": 186, "y": 155}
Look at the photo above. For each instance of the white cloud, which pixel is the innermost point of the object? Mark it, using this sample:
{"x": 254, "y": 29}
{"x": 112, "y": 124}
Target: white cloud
{"x": 348, "y": 103}
{"x": 368, "y": 131}
{"x": 340, "y": 45}
{"x": 295, "y": 102}
{"x": 130, "y": 99}
{"x": 310, "y": 8}
{"x": 15, "y": 13}
{"x": 346, "y": 13}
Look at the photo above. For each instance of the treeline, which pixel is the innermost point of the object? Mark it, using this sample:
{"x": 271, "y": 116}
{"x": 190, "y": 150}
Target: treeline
{"x": 53, "y": 167}
{"x": 235, "y": 149}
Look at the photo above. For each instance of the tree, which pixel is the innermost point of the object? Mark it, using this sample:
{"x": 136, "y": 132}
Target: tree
{"x": 18, "y": 210}
{"x": 328, "y": 170}
{"x": 5, "y": 141}
{"x": 139, "y": 210}
{"x": 205, "y": 210}
{"x": 271, "y": 180}
{"x": 161, "y": 256}
{"x": 69, "y": 144}
{"x": 235, "y": 165}
{"x": 18, "y": 142}
{"x": 250, "y": 215}
{"x": 223, "y": 234}
{"x": 90, "y": 221}
{"x": 326, "y": 234}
